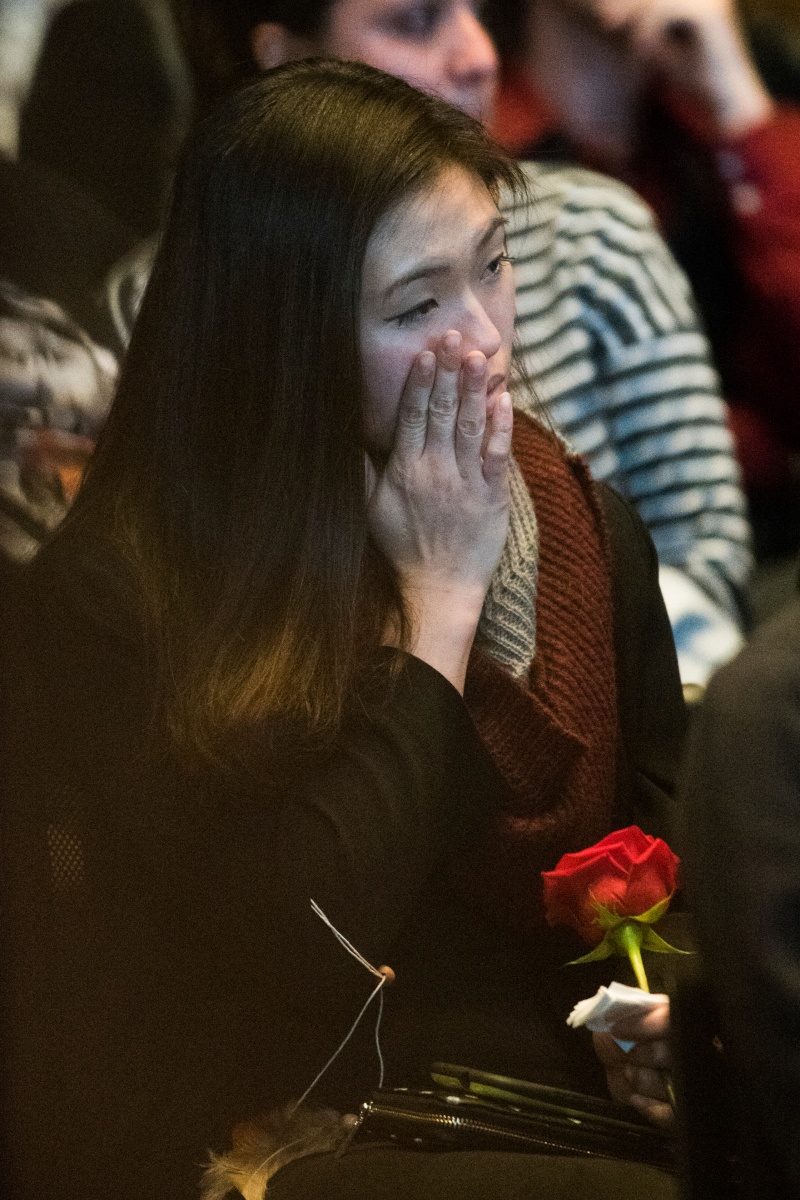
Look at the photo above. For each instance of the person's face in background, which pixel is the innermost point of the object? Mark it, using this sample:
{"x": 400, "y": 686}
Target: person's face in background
{"x": 439, "y": 46}
{"x": 434, "y": 264}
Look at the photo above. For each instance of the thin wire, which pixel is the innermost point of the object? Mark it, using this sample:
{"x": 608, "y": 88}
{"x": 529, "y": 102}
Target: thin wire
{"x": 342, "y": 940}
{"x": 382, "y": 980}
{"x": 342, "y": 1045}
{"x": 378, "y": 1038}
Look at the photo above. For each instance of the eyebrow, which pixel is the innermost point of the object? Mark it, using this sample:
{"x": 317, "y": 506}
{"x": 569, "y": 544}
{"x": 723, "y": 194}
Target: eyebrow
{"x": 434, "y": 267}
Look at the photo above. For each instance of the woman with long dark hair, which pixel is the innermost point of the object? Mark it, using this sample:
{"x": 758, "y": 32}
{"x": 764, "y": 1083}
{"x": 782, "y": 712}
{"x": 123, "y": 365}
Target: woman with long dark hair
{"x": 607, "y": 326}
{"x": 326, "y": 623}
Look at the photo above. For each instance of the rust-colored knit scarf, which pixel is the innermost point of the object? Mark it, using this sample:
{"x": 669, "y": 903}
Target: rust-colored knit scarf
{"x": 554, "y": 735}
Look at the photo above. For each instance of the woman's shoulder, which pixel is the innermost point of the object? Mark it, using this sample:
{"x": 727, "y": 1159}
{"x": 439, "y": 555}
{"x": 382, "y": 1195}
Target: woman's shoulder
{"x": 628, "y": 535}
{"x": 552, "y": 470}
{"x": 535, "y": 439}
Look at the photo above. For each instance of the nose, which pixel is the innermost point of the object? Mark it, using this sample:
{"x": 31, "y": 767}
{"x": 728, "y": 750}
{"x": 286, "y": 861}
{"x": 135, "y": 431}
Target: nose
{"x": 479, "y": 331}
{"x": 473, "y": 58}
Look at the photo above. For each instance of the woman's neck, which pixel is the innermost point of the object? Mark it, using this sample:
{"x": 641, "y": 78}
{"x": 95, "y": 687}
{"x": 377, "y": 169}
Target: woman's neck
{"x": 587, "y": 80}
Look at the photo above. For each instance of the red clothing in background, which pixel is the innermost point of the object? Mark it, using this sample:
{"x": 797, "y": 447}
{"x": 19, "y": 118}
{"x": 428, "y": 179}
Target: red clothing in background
{"x": 730, "y": 211}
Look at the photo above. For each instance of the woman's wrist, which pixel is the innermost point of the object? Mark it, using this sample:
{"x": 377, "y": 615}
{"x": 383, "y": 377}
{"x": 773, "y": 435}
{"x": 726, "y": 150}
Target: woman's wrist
{"x": 443, "y": 622}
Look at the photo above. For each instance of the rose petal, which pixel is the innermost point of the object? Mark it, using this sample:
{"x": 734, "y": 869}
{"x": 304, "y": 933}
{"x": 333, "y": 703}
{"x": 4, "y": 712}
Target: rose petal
{"x": 627, "y": 872}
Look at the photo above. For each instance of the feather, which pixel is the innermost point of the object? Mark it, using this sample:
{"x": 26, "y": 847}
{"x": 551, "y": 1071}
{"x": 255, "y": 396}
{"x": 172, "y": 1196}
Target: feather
{"x": 261, "y": 1147}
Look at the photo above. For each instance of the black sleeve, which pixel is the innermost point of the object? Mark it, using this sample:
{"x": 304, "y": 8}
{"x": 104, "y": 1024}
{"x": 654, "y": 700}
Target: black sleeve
{"x": 169, "y": 976}
{"x": 651, "y": 706}
{"x": 363, "y": 830}
{"x": 740, "y": 787}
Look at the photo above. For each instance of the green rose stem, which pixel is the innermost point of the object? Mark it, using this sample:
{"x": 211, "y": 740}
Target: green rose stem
{"x": 628, "y": 938}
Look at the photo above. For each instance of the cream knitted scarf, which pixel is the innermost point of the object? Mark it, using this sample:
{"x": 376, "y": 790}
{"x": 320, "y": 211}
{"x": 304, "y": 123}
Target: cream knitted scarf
{"x": 507, "y": 628}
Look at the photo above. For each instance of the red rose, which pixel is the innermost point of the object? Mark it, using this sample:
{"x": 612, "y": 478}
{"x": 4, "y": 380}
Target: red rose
{"x": 627, "y": 873}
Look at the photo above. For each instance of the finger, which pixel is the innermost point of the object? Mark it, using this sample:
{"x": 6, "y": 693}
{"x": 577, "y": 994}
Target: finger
{"x": 644, "y": 1082}
{"x": 610, "y": 1054}
{"x": 663, "y": 36}
{"x": 659, "y": 1113}
{"x": 443, "y": 405}
{"x": 471, "y": 420}
{"x": 613, "y": 15}
{"x": 487, "y": 428}
{"x": 370, "y": 477}
{"x": 618, "y": 1086}
{"x": 412, "y": 414}
{"x": 652, "y": 1024}
{"x": 651, "y": 1054}
{"x": 498, "y": 448}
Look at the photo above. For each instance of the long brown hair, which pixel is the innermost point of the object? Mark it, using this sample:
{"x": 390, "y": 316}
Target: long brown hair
{"x": 230, "y": 475}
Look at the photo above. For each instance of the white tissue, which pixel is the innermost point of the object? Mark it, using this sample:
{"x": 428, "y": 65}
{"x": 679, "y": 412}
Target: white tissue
{"x": 611, "y": 1004}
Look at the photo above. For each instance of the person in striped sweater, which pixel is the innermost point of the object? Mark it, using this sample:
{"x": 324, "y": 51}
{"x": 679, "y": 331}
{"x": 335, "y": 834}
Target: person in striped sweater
{"x": 607, "y": 327}
{"x": 609, "y": 335}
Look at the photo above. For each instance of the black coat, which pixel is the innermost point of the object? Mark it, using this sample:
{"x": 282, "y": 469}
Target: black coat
{"x": 741, "y": 791}
{"x": 168, "y": 977}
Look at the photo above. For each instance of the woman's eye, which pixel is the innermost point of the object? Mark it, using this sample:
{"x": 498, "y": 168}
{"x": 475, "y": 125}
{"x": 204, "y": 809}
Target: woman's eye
{"x": 415, "y": 313}
{"x": 418, "y": 20}
{"x": 496, "y": 265}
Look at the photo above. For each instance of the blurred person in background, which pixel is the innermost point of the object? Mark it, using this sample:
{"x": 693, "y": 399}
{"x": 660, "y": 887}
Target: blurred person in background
{"x": 55, "y": 389}
{"x": 606, "y": 324}
{"x": 23, "y": 24}
{"x": 94, "y": 103}
{"x": 740, "y": 793}
{"x": 667, "y": 95}
{"x": 109, "y": 105}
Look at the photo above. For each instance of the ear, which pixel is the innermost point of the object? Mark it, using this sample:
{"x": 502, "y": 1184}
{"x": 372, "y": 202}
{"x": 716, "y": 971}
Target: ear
{"x": 272, "y": 44}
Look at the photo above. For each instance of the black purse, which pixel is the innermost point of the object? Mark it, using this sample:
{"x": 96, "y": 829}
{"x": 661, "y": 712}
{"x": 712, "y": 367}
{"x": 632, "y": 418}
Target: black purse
{"x": 474, "y": 1110}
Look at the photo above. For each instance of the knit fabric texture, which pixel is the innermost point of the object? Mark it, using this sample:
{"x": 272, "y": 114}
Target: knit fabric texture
{"x": 553, "y": 732}
{"x": 507, "y": 628}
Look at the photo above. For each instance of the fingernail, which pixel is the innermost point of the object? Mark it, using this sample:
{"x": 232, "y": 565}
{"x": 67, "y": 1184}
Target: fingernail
{"x": 426, "y": 364}
{"x": 476, "y": 365}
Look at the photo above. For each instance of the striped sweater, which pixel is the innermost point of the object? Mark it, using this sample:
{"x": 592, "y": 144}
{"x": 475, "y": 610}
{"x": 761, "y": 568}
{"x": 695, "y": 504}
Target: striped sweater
{"x": 610, "y": 338}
